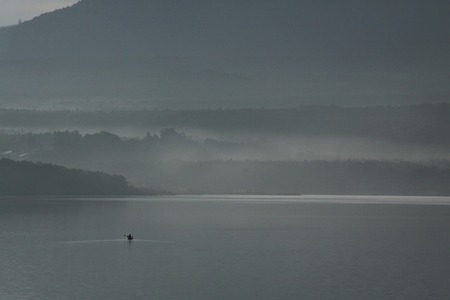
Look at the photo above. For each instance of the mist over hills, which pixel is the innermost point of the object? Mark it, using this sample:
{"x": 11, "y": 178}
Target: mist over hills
{"x": 308, "y": 150}
{"x": 426, "y": 124}
{"x": 201, "y": 54}
{"x": 175, "y": 162}
{"x": 235, "y": 96}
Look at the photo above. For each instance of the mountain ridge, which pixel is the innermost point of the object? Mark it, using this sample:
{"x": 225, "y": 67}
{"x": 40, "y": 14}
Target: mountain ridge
{"x": 197, "y": 54}
{"x": 146, "y": 24}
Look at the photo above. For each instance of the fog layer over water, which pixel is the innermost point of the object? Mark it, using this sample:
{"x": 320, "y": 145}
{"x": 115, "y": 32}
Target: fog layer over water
{"x": 308, "y": 150}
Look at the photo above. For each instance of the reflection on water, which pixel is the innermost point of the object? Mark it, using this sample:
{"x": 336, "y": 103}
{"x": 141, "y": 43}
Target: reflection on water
{"x": 220, "y": 247}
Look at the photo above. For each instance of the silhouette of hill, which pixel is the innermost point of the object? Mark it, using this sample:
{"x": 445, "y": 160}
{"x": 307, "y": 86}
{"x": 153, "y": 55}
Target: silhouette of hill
{"x": 199, "y": 53}
{"x": 27, "y": 178}
{"x": 143, "y": 29}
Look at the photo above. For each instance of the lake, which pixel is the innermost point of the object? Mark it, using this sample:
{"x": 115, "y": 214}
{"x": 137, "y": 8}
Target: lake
{"x": 225, "y": 247}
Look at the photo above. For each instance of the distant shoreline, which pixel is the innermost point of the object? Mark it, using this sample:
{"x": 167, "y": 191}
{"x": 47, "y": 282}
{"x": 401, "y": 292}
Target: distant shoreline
{"x": 252, "y": 199}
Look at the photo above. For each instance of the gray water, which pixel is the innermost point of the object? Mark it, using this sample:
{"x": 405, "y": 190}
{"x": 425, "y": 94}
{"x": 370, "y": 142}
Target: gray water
{"x": 202, "y": 247}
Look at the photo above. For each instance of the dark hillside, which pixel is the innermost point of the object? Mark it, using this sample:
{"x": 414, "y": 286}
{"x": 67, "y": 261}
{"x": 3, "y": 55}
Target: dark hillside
{"x": 26, "y": 178}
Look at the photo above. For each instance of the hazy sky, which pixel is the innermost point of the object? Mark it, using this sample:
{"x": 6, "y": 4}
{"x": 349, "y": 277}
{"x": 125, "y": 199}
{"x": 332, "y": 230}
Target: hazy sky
{"x": 13, "y": 10}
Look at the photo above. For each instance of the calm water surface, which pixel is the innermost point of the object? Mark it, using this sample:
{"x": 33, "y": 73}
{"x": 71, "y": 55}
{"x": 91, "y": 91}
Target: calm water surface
{"x": 218, "y": 247}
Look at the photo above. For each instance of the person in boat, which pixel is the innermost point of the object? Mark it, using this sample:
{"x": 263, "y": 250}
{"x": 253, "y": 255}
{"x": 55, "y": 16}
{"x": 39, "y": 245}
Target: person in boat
{"x": 129, "y": 237}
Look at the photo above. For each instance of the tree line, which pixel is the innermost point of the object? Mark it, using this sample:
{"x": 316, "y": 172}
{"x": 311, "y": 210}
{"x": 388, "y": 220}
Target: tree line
{"x": 27, "y": 178}
{"x": 417, "y": 123}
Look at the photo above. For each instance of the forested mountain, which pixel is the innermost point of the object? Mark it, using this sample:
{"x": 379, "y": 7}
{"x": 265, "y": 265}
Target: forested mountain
{"x": 213, "y": 28}
{"x": 26, "y": 178}
{"x": 201, "y": 54}
{"x": 141, "y": 29}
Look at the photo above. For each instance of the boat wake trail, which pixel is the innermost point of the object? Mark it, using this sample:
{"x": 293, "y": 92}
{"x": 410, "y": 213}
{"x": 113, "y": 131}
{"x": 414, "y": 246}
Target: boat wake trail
{"x": 118, "y": 240}
{"x": 154, "y": 241}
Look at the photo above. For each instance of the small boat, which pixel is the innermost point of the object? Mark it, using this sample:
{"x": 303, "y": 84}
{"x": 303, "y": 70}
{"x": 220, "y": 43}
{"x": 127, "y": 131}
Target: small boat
{"x": 129, "y": 237}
